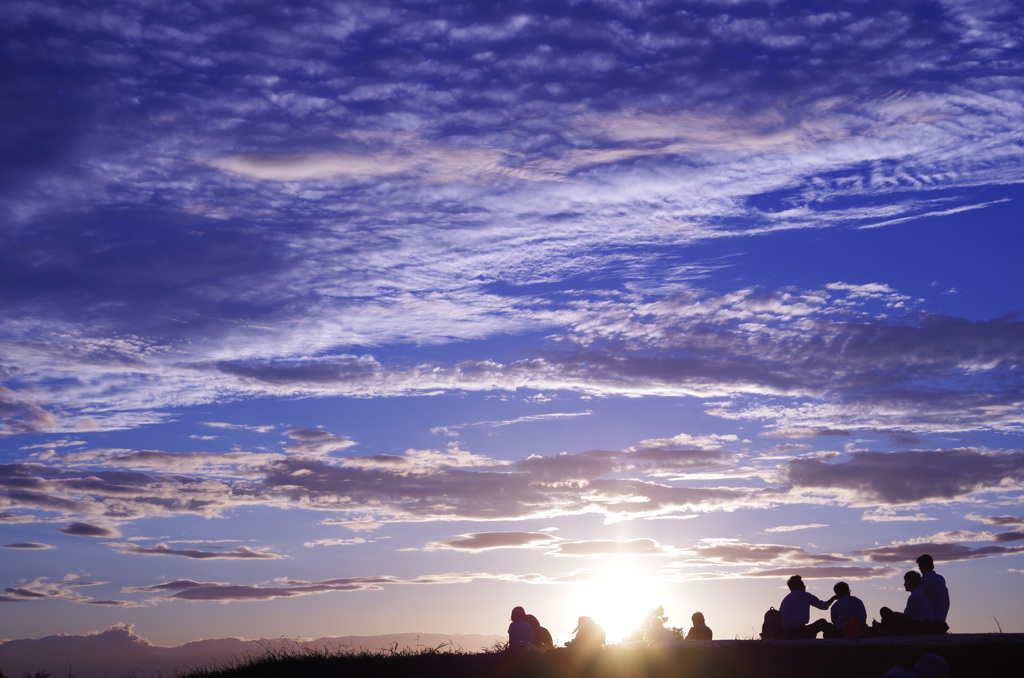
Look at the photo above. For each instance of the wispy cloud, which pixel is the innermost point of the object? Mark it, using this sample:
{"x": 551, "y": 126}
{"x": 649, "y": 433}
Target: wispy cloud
{"x": 997, "y": 520}
{"x": 200, "y": 591}
{"x": 462, "y": 153}
{"x": 656, "y": 478}
{"x": 265, "y": 428}
{"x": 476, "y": 542}
{"x": 732, "y": 551}
{"x": 609, "y": 547}
{"x": 161, "y": 549}
{"x": 315, "y": 442}
{"x": 336, "y": 542}
{"x": 940, "y": 552}
{"x": 894, "y": 514}
{"x": 795, "y": 528}
{"x": 65, "y": 589}
{"x": 529, "y": 418}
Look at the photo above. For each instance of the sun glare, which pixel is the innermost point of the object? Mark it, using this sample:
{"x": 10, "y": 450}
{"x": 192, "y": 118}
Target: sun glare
{"x": 619, "y": 598}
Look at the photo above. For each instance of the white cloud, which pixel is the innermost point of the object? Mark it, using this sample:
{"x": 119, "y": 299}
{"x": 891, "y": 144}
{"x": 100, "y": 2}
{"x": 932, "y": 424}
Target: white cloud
{"x": 609, "y": 547}
{"x": 316, "y": 442}
{"x": 335, "y": 542}
{"x": 887, "y": 514}
{"x": 477, "y": 542}
{"x": 794, "y": 528}
{"x": 241, "y": 427}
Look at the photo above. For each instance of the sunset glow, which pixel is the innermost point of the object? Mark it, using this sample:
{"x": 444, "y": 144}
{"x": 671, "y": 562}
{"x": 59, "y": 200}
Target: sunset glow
{"x": 345, "y": 318}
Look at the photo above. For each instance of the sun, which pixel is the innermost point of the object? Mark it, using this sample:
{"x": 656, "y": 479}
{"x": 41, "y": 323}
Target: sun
{"x": 619, "y": 597}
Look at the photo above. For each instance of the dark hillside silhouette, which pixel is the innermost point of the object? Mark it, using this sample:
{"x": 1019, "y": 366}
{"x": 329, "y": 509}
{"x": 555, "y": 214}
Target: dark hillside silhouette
{"x": 967, "y": 655}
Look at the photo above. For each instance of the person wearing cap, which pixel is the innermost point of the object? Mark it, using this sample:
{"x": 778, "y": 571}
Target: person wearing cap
{"x": 589, "y": 634}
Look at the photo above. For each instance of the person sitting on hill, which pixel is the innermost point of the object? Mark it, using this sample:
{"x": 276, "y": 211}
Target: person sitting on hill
{"x": 917, "y": 617}
{"x": 934, "y": 586}
{"x": 796, "y": 612}
{"x": 848, "y": 613}
{"x": 589, "y": 635}
{"x": 918, "y": 608}
{"x": 656, "y": 632}
{"x": 541, "y": 636}
{"x": 700, "y": 630}
{"x": 520, "y": 633}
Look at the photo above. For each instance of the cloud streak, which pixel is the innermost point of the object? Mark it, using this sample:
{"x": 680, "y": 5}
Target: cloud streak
{"x": 240, "y": 553}
{"x": 656, "y": 478}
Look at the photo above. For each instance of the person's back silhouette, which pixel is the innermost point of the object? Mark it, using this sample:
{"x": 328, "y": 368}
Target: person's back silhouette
{"x": 520, "y": 632}
{"x": 589, "y": 634}
{"x": 541, "y": 636}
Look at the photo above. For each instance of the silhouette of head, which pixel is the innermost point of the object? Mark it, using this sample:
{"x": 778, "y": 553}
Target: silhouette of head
{"x": 697, "y": 618}
{"x": 534, "y": 622}
{"x": 518, "y": 614}
{"x": 926, "y": 563}
{"x": 911, "y": 580}
{"x": 796, "y": 583}
{"x": 842, "y": 589}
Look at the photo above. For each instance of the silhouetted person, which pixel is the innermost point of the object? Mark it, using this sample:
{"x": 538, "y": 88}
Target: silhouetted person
{"x": 589, "y": 634}
{"x": 796, "y": 611}
{"x": 917, "y": 616}
{"x": 700, "y": 630}
{"x": 541, "y": 636}
{"x": 520, "y": 632}
{"x": 848, "y": 613}
{"x": 934, "y": 586}
{"x": 919, "y": 608}
{"x": 656, "y": 632}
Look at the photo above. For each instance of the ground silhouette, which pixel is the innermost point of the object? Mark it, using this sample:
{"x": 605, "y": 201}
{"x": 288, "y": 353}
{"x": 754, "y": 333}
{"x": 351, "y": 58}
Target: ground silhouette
{"x": 967, "y": 655}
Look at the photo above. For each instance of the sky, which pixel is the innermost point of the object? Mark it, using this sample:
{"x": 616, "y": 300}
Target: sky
{"x": 330, "y": 318}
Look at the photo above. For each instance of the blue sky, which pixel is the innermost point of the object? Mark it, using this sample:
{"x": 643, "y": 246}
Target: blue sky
{"x": 343, "y": 317}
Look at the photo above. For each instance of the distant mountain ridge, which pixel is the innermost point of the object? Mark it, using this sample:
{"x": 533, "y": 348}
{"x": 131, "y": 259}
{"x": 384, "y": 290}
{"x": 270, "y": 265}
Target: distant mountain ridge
{"x": 117, "y": 651}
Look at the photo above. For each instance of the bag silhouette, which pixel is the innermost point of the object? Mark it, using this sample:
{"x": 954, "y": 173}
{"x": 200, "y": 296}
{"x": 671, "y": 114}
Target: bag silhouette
{"x": 772, "y": 627}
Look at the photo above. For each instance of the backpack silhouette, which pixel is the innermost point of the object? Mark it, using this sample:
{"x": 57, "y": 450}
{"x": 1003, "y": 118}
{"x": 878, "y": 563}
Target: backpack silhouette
{"x": 772, "y": 626}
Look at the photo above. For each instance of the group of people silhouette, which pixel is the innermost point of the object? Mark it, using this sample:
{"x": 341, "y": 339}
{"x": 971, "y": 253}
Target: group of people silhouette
{"x": 525, "y": 631}
{"x": 924, "y": 613}
{"x": 656, "y": 631}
